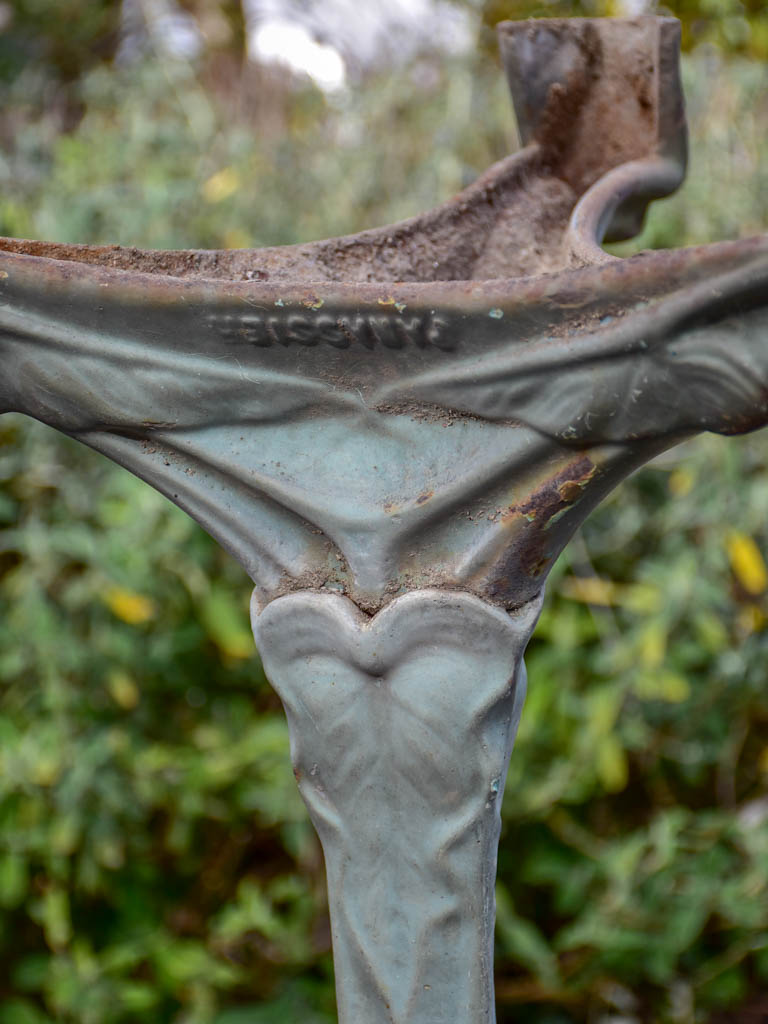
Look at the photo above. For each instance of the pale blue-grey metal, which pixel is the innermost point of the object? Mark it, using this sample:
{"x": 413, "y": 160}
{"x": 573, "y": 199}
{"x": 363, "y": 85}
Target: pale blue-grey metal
{"x": 396, "y": 433}
{"x": 401, "y": 731}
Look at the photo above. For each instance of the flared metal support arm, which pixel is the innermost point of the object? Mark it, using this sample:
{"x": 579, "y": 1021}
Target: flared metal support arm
{"x": 396, "y": 433}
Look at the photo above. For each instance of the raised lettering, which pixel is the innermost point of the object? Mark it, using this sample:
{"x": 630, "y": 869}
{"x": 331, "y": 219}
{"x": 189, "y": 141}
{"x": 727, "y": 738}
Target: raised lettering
{"x": 411, "y": 330}
{"x": 362, "y": 331}
{"x": 368, "y": 331}
{"x": 435, "y": 335}
{"x": 382, "y": 328}
{"x": 331, "y": 333}
{"x": 274, "y": 328}
{"x": 302, "y": 330}
{"x": 253, "y": 330}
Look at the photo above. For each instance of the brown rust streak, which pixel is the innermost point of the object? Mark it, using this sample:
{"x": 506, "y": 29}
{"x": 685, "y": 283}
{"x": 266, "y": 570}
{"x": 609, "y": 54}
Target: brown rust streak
{"x": 556, "y": 494}
{"x": 535, "y": 552}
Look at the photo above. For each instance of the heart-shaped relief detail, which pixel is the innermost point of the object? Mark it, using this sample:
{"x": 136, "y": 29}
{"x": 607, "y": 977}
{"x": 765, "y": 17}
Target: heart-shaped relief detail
{"x": 401, "y": 730}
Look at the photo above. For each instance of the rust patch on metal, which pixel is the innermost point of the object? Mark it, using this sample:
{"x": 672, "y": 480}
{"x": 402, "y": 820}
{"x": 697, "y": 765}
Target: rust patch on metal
{"x": 534, "y": 552}
{"x": 537, "y": 567}
{"x": 570, "y": 491}
{"x": 556, "y": 494}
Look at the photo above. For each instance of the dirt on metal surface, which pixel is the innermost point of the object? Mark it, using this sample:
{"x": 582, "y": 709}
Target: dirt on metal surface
{"x": 591, "y": 95}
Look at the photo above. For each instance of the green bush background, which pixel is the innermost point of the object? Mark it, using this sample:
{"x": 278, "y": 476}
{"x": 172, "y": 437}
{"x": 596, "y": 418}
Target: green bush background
{"x": 156, "y": 863}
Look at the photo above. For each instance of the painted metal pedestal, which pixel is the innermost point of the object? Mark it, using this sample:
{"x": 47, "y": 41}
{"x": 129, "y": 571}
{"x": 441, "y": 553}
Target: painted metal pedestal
{"x": 396, "y": 433}
{"x": 401, "y": 731}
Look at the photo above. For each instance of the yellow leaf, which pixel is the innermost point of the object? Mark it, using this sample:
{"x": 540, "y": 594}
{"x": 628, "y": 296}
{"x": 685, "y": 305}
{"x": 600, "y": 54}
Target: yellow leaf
{"x": 612, "y": 768}
{"x": 673, "y": 687}
{"x": 763, "y": 761}
{"x": 636, "y": 597}
{"x": 681, "y": 482}
{"x": 238, "y": 646}
{"x": 668, "y": 686}
{"x": 641, "y": 598}
{"x": 747, "y": 562}
{"x": 123, "y": 690}
{"x": 751, "y": 619}
{"x": 653, "y": 644}
{"x": 46, "y": 770}
{"x": 236, "y": 238}
{"x": 604, "y": 708}
{"x": 589, "y": 589}
{"x": 221, "y": 185}
{"x": 129, "y": 606}
{"x": 226, "y": 624}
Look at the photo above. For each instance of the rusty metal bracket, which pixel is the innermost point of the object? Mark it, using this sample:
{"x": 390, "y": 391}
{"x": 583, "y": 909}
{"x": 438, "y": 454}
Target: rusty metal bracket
{"x": 602, "y": 102}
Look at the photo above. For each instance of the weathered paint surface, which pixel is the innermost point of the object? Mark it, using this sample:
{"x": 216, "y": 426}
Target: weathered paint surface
{"x": 396, "y": 433}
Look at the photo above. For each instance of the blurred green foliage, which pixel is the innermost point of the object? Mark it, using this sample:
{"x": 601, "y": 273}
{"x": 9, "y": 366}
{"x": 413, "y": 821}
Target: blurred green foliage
{"x": 156, "y": 863}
